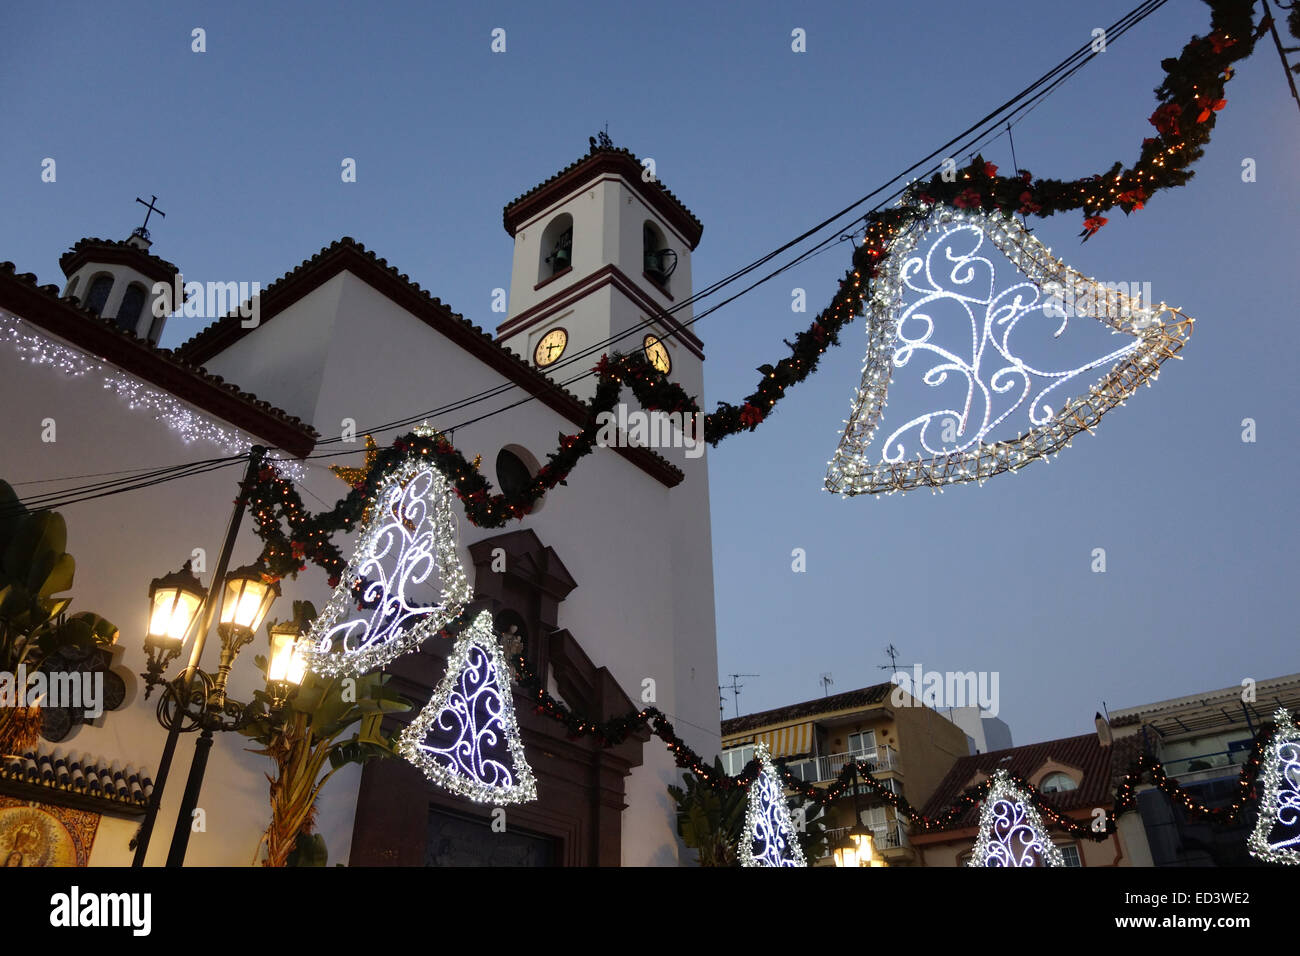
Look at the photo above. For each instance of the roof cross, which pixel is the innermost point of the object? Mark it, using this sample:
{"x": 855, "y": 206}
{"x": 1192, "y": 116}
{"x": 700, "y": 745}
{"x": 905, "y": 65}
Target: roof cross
{"x": 143, "y": 231}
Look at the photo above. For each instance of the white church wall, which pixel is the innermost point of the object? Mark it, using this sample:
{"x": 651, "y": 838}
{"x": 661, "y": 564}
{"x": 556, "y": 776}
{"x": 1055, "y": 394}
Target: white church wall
{"x": 607, "y": 525}
{"x": 283, "y": 362}
{"x": 120, "y": 544}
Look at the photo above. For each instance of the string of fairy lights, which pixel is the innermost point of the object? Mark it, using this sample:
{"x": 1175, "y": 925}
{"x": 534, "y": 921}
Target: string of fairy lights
{"x": 1145, "y": 767}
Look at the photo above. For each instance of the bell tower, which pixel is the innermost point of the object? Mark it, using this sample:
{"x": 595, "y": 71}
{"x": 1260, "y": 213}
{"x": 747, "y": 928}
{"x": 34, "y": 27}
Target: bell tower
{"x": 117, "y": 280}
{"x": 602, "y": 250}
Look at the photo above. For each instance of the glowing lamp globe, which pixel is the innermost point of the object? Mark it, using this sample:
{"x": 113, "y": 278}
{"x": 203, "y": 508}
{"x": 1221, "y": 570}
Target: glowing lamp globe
{"x": 247, "y": 599}
{"x": 174, "y": 602}
{"x": 857, "y": 849}
{"x": 287, "y": 665}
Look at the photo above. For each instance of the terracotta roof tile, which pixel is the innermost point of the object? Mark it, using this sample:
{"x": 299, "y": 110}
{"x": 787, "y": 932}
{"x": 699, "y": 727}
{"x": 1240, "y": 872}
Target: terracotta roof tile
{"x": 863, "y": 697}
{"x": 102, "y": 337}
{"x": 691, "y": 227}
{"x": 121, "y": 250}
{"x": 347, "y": 253}
{"x": 1084, "y": 753}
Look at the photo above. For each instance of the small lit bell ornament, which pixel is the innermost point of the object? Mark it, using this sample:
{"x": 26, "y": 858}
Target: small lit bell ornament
{"x": 1276, "y": 837}
{"x": 1011, "y": 833}
{"x": 769, "y": 838}
{"x": 466, "y": 738}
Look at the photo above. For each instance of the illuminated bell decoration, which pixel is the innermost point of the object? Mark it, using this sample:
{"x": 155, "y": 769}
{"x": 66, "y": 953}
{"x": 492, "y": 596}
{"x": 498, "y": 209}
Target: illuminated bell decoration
{"x": 174, "y": 602}
{"x": 247, "y": 599}
{"x": 1011, "y": 833}
{"x": 1276, "y": 837}
{"x": 407, "y": 543}
{"x": 466, "y": 739}
{"x": 938, "y": 309}
{"x": 769, "y": 838}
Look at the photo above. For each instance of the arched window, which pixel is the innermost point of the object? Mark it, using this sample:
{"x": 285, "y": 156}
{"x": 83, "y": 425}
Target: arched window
{"x": 557, "y": 247}
{"x": 128, "y": 315}
{"x": 660, "y": 261}
{"x": 100, "y": 287}
{"x": 1057, "y": 783}
{"x": 516, "y": 468}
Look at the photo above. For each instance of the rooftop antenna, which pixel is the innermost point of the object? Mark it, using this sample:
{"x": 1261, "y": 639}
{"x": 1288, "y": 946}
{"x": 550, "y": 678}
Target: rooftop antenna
{"x": 826, "y": 684}
{"x": 892, "y": 653}
{"x": 722, "y": 702}
{"x": 736, "y": 688}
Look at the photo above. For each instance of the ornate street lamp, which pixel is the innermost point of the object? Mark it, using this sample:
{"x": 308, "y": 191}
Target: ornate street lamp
{"x": 858, "y": 848}
{"x": 196, "y": 699}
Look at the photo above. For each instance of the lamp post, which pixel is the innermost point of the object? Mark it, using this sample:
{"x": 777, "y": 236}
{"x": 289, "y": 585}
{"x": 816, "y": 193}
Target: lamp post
{"x": 195, "y": 700}
{"x": 858, "y": 848}
{"x": 246, "y": 600}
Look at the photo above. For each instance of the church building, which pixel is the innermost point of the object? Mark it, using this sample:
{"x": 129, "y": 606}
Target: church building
{"x": 607, "y": 584}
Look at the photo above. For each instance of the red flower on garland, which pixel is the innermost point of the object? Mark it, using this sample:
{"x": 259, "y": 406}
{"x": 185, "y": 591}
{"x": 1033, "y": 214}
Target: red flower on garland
{"x": 1090, "y": 226}
{"x": 1208, "y": 107}
{"x": 1218, "y": 42}
{"x": 568, "y": 441}
{"x": 1165, "y": 119}
{"x": 334, "y": 580}
{"x": 926, "y": 198}
{"x": 990, "y": 170}
{"x": 968, "y": 198}
{"x": 750, "y": 416}
{"x": 1027, "y": 204}
{"x": 602, "y": 366}
{"x": 296, "y": 549}
{"x": 1133, "y": 198}
{"x": 819, "y": 332}
{"x": 1027, "y": 176}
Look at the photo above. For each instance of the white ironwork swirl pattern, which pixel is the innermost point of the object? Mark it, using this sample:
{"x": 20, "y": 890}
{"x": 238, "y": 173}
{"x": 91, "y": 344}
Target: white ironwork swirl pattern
{"x": 1014, "y": 842}
{"x": 409, "y": 541}
{"x": 1011, "y": 833}
{"x": 466, "y": 738}
{"x": 955, "y": 275}
{"x": 769, "y": 838}
{"x": 1276, "y": 837}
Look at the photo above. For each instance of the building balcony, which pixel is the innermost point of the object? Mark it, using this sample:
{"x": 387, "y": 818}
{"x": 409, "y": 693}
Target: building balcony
{"x": 827, "y": 768}
{"x": 1203, "y": 767}
{"x": 890, "y": 841}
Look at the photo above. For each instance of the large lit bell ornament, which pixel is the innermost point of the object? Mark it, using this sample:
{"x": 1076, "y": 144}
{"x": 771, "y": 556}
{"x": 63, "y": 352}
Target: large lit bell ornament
{"x": 407, "y": 546}
{"x": 934, "y": 306}
{"x": 466, "y": 738}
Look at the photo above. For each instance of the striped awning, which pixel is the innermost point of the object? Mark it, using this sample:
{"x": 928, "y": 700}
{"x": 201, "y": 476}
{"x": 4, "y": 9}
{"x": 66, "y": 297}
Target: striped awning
{"x": 788, "y": 741}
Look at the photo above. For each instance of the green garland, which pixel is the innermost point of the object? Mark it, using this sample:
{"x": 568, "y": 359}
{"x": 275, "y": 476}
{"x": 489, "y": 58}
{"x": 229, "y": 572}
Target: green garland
{"x": 615, "y": 730}
{"x": 1190, "y": 97}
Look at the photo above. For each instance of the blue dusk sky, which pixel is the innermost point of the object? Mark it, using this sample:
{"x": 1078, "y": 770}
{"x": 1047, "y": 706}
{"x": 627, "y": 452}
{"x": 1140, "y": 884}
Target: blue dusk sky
{"x": 243, "y": 143}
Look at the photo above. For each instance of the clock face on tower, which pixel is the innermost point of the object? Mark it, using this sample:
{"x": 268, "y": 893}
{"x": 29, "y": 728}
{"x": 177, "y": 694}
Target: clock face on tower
{"x": 657, "y": 353}
{"x": 550, "y": 347}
